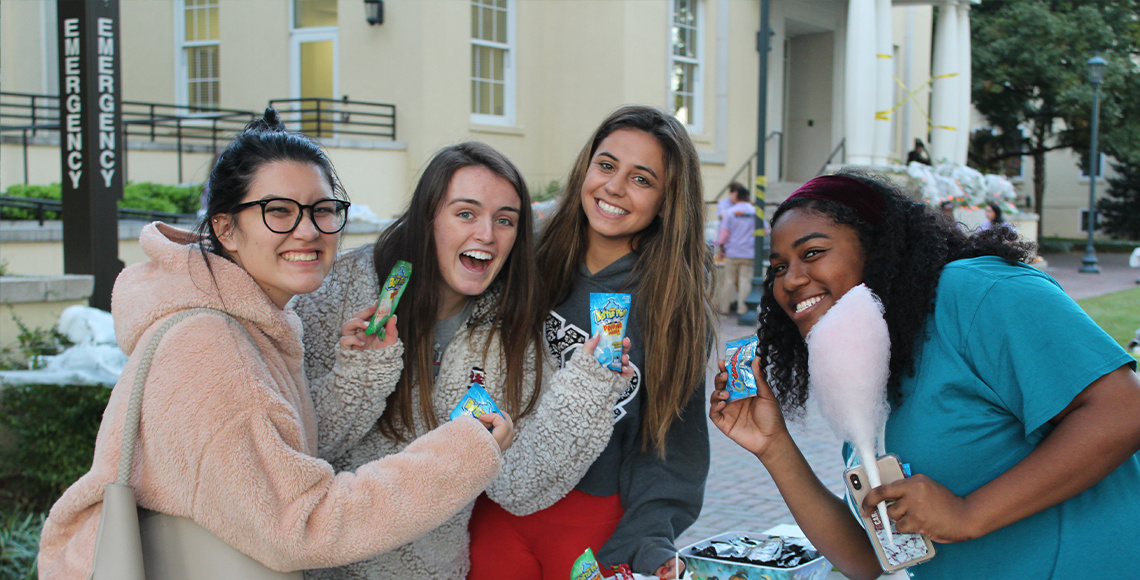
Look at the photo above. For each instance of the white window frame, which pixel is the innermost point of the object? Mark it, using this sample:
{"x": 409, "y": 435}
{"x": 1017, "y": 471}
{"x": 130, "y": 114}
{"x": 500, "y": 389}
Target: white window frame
{"x": 508, "y": 116}
{"x": 1085, "y": 220}
{"x": 299, "y": 36}
{"x": 181, "y": 64}
{"x": 1100, "y": 174}
{"x": 696, "y": 115}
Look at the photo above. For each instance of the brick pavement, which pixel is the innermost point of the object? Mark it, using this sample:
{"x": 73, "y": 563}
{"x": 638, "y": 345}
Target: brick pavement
{"x": 741, "y": 496}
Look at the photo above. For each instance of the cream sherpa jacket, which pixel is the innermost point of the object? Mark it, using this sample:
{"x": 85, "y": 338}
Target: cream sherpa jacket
{"x": 228, "y": 433}
{"x": 554, "y": 446}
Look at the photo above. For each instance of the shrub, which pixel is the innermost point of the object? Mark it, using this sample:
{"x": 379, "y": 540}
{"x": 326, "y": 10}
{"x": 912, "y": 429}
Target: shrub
{"x": 144, "y": 196}
{"x": 159, "y": 197}
{"x": 33, "y": 343}
{"x": 33, "y": 192}
{"x": 19, "y": 543}
{"x": 50, "y": 432}
{"x": 1054, "y": 246}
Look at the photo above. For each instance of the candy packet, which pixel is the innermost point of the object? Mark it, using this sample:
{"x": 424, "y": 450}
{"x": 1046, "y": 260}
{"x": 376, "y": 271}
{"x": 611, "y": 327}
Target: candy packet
{"x": 738, "y": 355}
{"x": 390, "y": 294}
{"x": 609, "y": 314}
{"x": 586, "y": 567}
{"x": 477, "y": 402}
{"x": 622, "y": 572}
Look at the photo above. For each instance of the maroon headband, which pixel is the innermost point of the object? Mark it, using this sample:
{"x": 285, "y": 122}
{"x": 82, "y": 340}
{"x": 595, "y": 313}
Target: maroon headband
{"x": 846, "y": 191}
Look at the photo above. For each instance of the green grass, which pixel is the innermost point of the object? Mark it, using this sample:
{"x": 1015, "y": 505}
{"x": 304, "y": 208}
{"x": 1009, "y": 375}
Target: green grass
{"x": 1117, "y": 313}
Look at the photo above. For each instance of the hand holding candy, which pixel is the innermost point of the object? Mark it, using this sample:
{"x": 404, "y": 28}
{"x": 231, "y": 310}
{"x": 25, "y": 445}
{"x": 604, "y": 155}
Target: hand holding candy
{"x": 353, "y": 337}
{"x": 672, "y": 569}
{"x": 626, "y": 369}
{"x": 754, "y": 423}
{"x": 502, "y": 428}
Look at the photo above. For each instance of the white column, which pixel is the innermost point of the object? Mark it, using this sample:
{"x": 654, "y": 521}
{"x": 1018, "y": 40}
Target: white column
{"x": 944, "y": 88}
{"x": 884, "y": 82}
{"x": 858, "y": 83}
{"x": 965, "y": 61}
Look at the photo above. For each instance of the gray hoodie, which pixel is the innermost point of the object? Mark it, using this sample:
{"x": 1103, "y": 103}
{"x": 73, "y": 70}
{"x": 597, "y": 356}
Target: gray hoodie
{"x": 660, "y": 498}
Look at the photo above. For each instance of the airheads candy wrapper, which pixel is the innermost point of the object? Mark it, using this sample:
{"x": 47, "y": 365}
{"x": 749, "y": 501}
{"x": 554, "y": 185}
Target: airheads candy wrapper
{"x": 390, "y": 295}
{"x": 475, "y": 403}
{"x": 586, "y": 567}
{"x": 609, "y": 314}
{"x": 738, "y": 355}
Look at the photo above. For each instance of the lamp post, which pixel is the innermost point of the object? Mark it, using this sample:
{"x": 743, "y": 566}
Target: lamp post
{"x": 1096, "y": 75}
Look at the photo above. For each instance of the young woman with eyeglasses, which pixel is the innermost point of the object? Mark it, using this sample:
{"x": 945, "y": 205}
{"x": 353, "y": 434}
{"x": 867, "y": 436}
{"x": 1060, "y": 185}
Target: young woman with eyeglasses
{"x": 228, "y": 435}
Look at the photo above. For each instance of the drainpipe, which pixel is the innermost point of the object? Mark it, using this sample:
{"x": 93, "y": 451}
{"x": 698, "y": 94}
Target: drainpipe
{"x": 763, "y": 38}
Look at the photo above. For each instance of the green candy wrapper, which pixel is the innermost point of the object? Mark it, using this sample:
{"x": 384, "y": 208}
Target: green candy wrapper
{"x": 586, "y": 567}
{"x": 390, "y": 295}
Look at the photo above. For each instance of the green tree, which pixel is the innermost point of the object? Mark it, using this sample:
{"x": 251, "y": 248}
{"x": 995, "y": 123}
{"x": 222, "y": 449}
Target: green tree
{"x": 1119, "y": 212}
{"x": 1030, "y": 79}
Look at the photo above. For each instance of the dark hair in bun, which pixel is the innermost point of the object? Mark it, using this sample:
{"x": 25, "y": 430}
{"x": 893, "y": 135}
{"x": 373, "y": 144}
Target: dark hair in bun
{"x": 264, "y": 140}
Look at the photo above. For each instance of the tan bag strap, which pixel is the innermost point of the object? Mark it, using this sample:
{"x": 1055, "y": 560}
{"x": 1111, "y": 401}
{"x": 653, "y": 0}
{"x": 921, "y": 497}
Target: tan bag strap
{"x": 134, "y": 406}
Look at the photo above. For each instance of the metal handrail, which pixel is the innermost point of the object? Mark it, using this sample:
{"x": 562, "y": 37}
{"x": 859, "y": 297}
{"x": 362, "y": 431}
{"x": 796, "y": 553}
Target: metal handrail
{"x": 43, "y": 206}
{"x": 842, "y": 145}
{"x": 321, "y": 117}
{"x": 212, "y": 128}
{"x": 31, "y": 111}
{"x": 748, "y": 164}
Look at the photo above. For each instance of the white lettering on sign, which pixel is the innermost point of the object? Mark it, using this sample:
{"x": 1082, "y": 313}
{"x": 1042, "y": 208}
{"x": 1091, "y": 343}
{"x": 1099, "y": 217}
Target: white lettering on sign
{"x": 105, "y": 28}
{"x": 73, "y": 100}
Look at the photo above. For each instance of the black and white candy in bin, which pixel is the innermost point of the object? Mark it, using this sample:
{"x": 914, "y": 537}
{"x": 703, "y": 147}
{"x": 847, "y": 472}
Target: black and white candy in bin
{"x": 754, "y": 555}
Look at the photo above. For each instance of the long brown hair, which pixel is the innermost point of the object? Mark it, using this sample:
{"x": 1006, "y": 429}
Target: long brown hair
{"x": 515, "y": 317}
{"x": 673, "y": 266}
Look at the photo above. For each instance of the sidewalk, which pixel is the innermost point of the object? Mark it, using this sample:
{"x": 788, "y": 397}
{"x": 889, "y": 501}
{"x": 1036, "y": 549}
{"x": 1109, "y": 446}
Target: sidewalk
{"x": 740, "y": 495}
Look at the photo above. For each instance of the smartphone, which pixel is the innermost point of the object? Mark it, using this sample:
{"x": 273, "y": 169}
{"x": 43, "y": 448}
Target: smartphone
{"x": 909, "y": 549}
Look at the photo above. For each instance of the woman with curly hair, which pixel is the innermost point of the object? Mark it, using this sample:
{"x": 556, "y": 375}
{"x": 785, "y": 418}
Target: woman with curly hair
{"x": 1016, "y": 413}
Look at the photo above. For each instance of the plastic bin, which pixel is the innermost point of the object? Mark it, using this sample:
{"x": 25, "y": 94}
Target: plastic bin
{"x": 701, "y": 568}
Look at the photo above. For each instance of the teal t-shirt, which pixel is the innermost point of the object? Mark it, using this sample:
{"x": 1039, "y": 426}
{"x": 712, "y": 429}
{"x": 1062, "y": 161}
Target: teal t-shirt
{"x": 1005, "y": 351}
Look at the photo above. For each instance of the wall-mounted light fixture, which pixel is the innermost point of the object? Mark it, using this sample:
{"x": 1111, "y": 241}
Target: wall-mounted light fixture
{"x": 374, "y": 11}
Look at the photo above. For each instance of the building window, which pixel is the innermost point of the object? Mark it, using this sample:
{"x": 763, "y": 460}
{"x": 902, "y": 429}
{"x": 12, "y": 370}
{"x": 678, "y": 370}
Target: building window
{"x": 201, "y": 78}
{"x": 313, "y": 49}
{"x": 492, "y": 69}
{"x": 1085, "y": 220}
{"x": 1099, "y": 168}
{"x": 314, "y": 13}
{"x": 685, "y": 66}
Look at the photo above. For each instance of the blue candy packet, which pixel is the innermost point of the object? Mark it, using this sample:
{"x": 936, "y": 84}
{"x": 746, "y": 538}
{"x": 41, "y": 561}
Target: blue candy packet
{"x": 609, "y": 314}
{"x": 477, "y": 402}
{"x": 738, "y": 355}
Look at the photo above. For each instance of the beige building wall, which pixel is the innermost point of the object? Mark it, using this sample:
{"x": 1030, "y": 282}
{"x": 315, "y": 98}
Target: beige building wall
{"x": 575, "y": 61}
{"x": 1066, "y": 193}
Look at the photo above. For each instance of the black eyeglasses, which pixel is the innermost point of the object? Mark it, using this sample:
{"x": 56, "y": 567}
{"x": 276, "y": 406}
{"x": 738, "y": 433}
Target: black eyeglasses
{"x": 282, "y": 215}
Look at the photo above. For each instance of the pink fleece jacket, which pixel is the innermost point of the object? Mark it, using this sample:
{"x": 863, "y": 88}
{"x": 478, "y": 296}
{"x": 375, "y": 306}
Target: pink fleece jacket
{"x": 228, "y": 433}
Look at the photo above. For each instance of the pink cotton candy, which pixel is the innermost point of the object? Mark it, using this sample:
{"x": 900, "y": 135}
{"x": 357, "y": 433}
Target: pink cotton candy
{"x": 849, "y": 352}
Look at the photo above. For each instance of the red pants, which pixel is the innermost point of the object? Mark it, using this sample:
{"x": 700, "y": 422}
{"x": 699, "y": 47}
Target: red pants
{"x": 543, "y": 545}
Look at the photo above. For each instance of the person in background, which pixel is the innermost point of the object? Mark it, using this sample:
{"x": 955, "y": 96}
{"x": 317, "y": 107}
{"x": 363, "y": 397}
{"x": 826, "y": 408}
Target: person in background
{"x": 1016, "y": 412}
{"x": 630, "y": 220}
{"x": 737, "y": 246}
{"x": 469, "y": 314}
{"x": 918, "y": 154}
{"x": 947, "y": 209}
{"x": 993, "y": 217}
{"x": 228, "y": 433}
